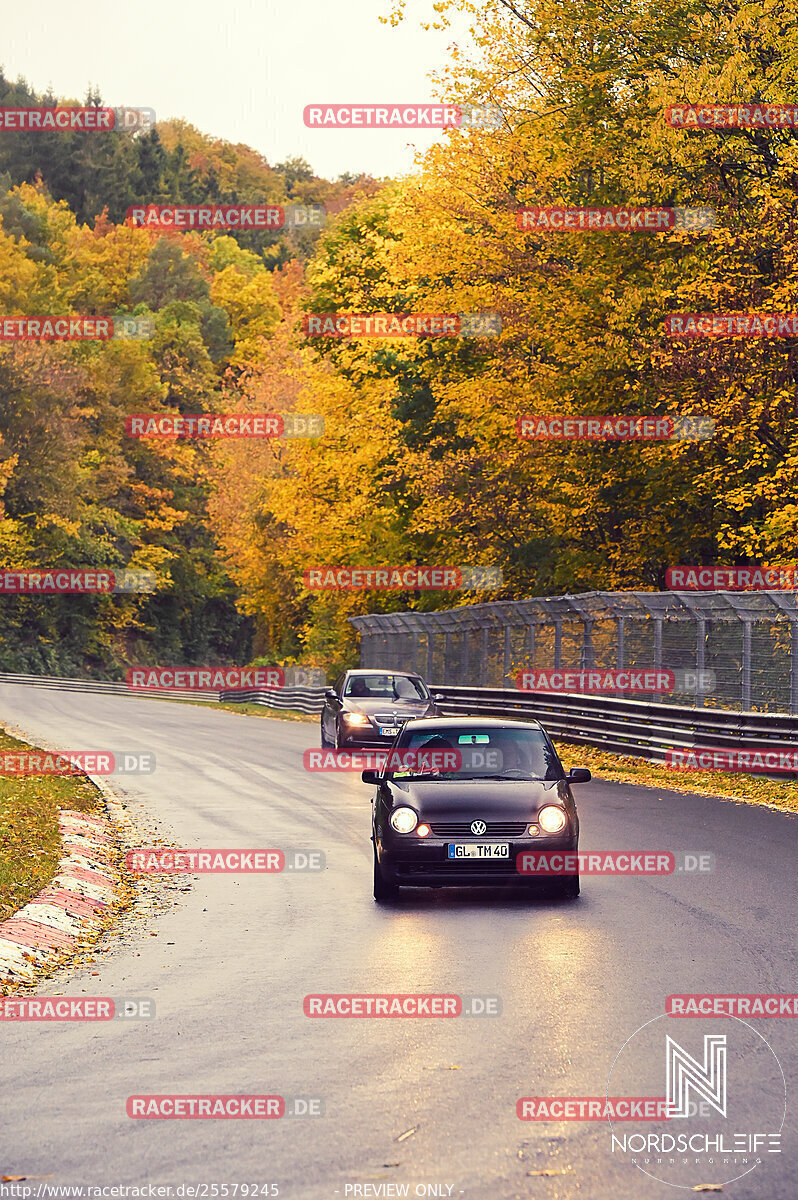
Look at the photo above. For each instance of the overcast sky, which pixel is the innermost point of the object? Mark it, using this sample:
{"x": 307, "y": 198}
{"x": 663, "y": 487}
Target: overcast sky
{"x": 242, "y": 70}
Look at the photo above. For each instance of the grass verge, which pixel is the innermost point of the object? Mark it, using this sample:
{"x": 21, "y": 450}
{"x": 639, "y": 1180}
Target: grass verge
{"x": 29, "y": 839}
{"x": 621, "y": 768}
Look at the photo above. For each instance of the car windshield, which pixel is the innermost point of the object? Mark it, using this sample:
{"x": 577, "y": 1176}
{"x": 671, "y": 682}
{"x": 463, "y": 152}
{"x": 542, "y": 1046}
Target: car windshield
{"x": 468, "y": 752}
{"x": 385, "y": 687}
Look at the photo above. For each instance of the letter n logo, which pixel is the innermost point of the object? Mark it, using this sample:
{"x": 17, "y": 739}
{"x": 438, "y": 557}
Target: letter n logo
{"x": 708, "y": 1081}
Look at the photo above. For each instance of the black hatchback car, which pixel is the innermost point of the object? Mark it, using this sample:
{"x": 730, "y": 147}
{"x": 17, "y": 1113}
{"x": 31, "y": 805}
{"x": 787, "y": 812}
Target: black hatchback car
{"x": 369, "y": 707}
{"x": 466, "y": 801}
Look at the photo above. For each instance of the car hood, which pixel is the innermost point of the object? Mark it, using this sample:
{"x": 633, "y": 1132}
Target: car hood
{"x": 460, "y": 799}
{"x": 405, "y": 708}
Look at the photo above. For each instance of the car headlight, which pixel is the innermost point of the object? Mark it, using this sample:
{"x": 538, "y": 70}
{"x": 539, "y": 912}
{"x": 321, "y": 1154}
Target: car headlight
{"x": 552, "y": 819}
{"x": 355, "y": 718}
{"x": 404, "y": 820}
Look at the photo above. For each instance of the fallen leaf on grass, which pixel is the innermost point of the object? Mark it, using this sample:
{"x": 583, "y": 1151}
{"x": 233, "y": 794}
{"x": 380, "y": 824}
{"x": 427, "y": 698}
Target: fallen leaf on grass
{"x": 708, "y": 1187}
{"x": 550, "y": 1171}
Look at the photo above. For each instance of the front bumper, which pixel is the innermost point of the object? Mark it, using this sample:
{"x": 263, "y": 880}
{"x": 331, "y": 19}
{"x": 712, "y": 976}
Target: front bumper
{"x": 355, "y": 736}
{"x": 363, "y": 736}
{"x": 410, "y": 862}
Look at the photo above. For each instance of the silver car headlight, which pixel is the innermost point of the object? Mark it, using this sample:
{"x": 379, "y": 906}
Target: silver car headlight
{"x": 404, "y": 820}
{"x": 355, "y": 718}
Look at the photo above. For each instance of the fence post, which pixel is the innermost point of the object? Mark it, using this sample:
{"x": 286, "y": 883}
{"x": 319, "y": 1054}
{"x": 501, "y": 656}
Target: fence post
{"x": 430, "y": 654}
{"x": 793, "y": 668}
{"x": 700, "y": 657}
{"x": 557, "y": 644}
{"x": 530, "y": 646}
{"x": 588, "y": 653}
{"x": 745, "y": 700}
{"x": 466, "y": 658}
{"x": 483, "y": 666}
{"x": 447, "y": 657}
{"x": 657, "y": 697}
{"x": 508, "y": 652}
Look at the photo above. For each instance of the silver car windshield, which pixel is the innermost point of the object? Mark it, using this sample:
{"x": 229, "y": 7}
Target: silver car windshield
{"x": 385, "y": 687}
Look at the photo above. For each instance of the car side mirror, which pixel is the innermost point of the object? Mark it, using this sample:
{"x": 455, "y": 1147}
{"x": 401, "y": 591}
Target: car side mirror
{"x": 329, "y": 694}
{"x": 579, "y": 775}
{"x": 370, "y": 776}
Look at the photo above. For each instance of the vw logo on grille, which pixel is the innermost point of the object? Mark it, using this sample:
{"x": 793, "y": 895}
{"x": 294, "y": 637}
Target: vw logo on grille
{"x": 478, "y": 827}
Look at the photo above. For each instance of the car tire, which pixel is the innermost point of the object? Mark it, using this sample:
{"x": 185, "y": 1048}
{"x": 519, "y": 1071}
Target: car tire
{"x": 326, "y": 744}
{"x": 384, "y": 892}
{"x": 567, "y": 888}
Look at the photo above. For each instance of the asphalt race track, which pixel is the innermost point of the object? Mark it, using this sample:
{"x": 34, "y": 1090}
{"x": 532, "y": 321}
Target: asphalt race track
{"x": 235, "y": 955}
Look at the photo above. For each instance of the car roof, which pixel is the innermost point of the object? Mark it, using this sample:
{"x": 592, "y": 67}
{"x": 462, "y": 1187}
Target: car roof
{"x": 473, "y": 723}
{"x": 381, "y": 671}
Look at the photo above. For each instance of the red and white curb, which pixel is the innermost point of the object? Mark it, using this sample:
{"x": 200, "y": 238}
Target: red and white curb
{"x": 75, "y": 906}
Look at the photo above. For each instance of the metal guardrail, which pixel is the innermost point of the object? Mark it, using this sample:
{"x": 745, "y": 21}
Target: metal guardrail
{"x": 108, "y": 687}
{"x": 624, "y": 726}
{"x": 299, "y": 699}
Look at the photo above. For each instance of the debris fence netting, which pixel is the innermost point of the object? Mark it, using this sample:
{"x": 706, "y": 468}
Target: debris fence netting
{"x": 730, "y": 650}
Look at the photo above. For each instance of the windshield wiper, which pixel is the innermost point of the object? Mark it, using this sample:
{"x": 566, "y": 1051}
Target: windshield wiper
{"x": 513, "y": 778}
{"x": 423, "y": 775}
